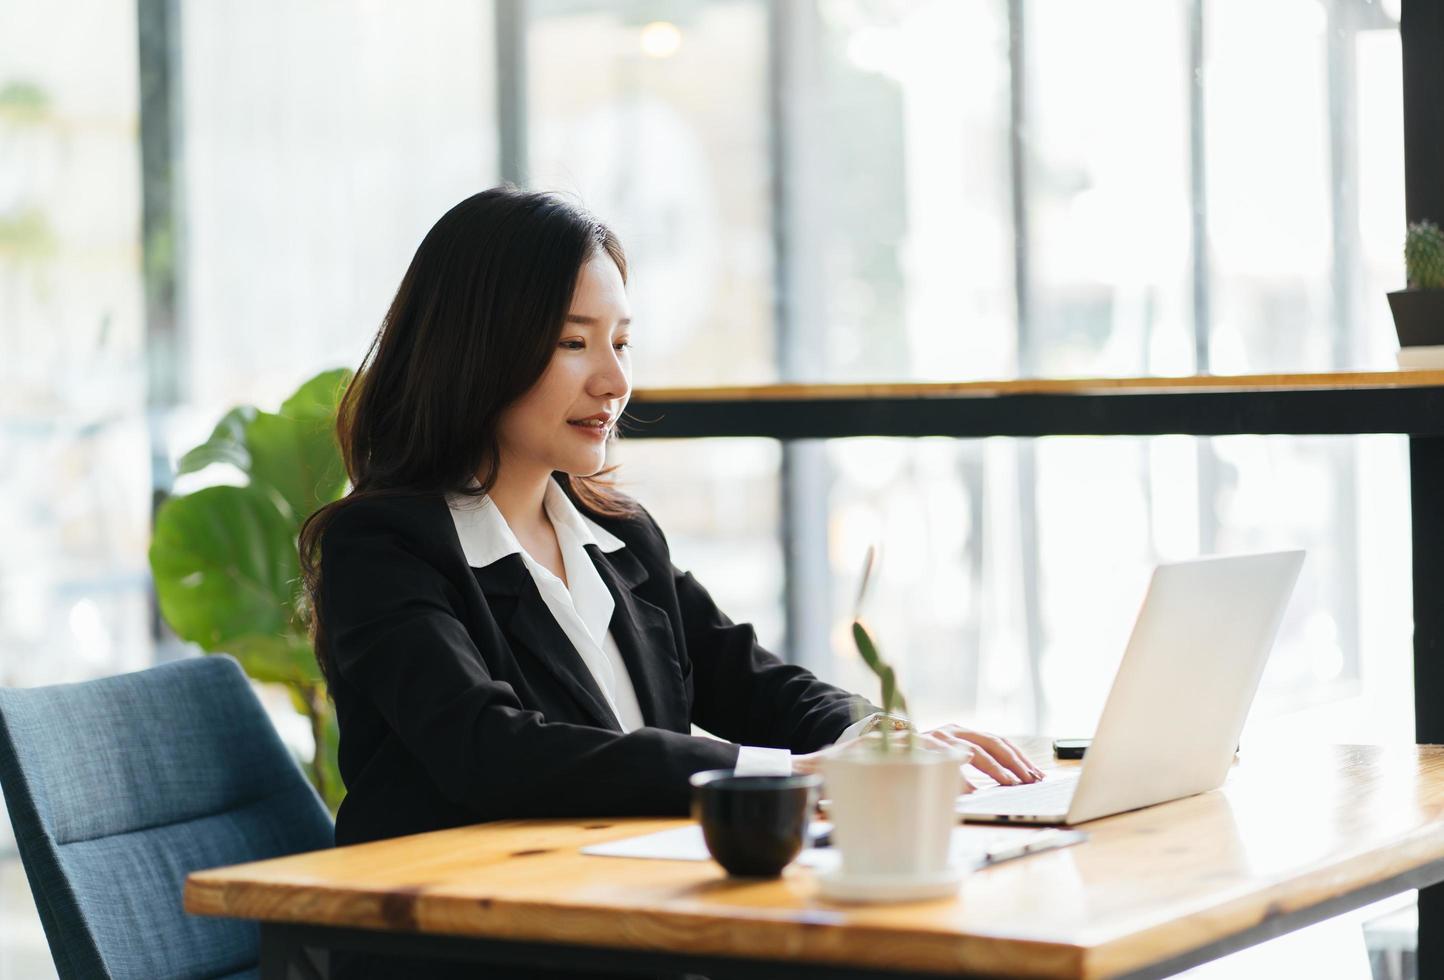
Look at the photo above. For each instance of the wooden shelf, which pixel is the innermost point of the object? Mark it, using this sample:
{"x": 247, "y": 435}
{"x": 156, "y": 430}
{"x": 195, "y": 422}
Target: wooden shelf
{"x": 1406, "y": 402}
{"x": 1341, "y": 381}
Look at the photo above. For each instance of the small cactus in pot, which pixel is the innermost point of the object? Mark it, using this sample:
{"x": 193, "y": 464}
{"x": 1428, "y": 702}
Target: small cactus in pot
{"x": 1419, "y": 309}
{"x": 1424, "y": 256}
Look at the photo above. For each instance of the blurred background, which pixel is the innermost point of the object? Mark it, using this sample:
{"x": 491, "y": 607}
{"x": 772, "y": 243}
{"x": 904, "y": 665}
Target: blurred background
{"x": 202, "y": 204}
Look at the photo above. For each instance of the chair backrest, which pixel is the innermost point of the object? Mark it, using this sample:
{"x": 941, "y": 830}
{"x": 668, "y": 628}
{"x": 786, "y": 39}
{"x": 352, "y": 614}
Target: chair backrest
{"x": 119, "y": 787}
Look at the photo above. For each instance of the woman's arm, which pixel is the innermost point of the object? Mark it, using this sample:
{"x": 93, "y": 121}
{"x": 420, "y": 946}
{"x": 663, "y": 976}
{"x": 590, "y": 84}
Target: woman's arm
{"x": 743, "y": 692}
{"x": 746, "y": 694}
{"x": 396, "y": 639}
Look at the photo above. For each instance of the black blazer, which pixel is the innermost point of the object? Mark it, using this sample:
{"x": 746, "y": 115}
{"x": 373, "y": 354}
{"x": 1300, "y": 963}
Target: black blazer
{"x": 461, "y": 700}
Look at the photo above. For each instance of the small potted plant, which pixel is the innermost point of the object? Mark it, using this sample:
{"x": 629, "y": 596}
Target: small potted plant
{"x": 892, "y": 799}
{"x": 1419, "y": 309}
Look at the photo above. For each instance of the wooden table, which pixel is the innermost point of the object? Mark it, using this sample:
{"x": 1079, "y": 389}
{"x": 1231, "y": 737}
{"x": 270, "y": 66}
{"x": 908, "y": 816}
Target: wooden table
{"x": 1295, "y": 836}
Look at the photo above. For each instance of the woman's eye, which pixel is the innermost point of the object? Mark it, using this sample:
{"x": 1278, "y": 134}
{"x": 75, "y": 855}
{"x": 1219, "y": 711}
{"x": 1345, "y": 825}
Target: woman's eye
{"x": 581, "y": 345}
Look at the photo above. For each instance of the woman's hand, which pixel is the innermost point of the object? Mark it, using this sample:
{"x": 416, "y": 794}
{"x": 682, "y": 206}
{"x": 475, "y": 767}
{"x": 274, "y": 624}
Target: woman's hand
{"x": 991, "y": 754}
{"x": 806, "y": 764}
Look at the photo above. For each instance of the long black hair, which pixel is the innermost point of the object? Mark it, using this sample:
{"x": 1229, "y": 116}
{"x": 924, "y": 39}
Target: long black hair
{"x": 472, "y": 328}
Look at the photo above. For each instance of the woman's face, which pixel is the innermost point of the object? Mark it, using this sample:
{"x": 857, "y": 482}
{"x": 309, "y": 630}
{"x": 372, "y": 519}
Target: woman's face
{"x": 590, "y": 376}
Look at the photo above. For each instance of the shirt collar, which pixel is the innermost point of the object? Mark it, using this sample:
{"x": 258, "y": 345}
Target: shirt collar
{"x": 486, "y": 537}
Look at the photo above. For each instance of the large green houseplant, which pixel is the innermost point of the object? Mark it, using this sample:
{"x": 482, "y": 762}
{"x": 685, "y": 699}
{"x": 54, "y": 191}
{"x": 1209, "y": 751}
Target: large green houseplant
{"x": 224, "y": 559}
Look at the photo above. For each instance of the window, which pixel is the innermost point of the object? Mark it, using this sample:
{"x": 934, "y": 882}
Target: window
{"x": 73, "y": 429}
{"x": 815, "y": 191}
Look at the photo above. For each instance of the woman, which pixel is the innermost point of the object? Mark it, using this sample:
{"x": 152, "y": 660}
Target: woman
{"x": 503, "y": 633}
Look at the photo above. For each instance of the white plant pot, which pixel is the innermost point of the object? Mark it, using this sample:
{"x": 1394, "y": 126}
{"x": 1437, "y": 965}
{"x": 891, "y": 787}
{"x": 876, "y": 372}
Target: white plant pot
{"x": 893, "y": 812}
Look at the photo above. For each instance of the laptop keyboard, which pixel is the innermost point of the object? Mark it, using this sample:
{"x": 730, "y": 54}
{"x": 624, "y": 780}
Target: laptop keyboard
{"x": 1051, "y": 796}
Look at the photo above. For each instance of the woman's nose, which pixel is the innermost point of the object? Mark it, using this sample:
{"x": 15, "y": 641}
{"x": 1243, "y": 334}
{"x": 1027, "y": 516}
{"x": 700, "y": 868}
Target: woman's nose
{"x": 612, "y": 379}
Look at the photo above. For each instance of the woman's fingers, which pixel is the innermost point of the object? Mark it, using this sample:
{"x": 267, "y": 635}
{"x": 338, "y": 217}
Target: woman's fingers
{"x": 1010, "y": 757}
{"x": 995, "y": 756}
{"x": 988, "y": 763}
{"x": 1038, "y": 773}
{"x": 981, "y": 758}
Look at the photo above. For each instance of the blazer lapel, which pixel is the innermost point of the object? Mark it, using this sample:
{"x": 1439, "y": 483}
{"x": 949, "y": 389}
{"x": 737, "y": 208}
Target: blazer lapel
{"x": 645, "y": 640}
{"x": 528, "y": 623}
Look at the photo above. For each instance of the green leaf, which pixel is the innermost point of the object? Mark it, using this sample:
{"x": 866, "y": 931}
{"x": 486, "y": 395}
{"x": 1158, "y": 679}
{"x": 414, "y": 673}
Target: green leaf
{"x": 298, "y": 460}
{"x": 892, "y": 698}
{"x": 866, "y": 647}
{"x": 225, "y": 566}
{"x": 894, "y": 702}
{"x": 318, "y": 398}
{"x": 227, "y": 444}
{"x": 294, "y": 452}
{"x": 284, "y": 658}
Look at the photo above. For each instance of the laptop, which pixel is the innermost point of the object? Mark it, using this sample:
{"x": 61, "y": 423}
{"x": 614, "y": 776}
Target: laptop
{"x": 1171, "y": 724}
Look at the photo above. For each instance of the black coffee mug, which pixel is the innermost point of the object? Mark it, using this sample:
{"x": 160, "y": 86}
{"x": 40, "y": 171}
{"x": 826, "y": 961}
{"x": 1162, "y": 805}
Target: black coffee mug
{"x": 754, "y": 825}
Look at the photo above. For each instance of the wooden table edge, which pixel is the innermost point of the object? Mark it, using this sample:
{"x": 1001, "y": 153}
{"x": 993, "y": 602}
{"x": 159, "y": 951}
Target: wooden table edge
{"x": 770, "y": 939}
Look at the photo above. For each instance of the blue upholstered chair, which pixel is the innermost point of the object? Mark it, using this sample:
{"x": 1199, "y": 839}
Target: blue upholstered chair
{"x": 118, "y": 787}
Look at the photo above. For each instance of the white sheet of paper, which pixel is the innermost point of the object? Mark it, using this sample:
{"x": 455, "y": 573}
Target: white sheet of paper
{"x": 686, "y": 844}
{"x": 679, "y": 844}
